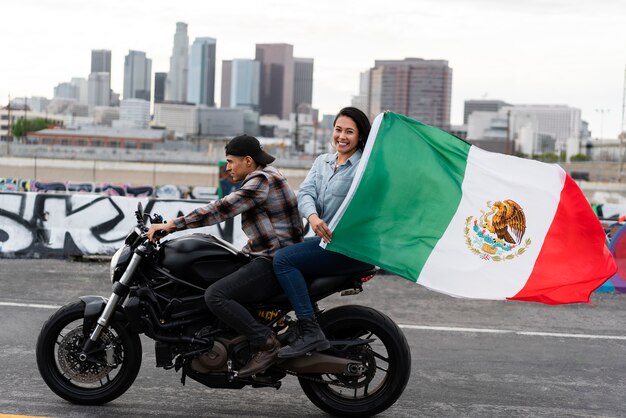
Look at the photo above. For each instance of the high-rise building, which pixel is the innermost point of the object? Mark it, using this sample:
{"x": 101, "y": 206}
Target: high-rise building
{"x": 303, "y": 82}
{"x": 159, "y": 87}
{"x": 137, "y": 76}
{"x": 176, "y": 83}
{"x": 101, "y": 61}
{"x": 65, "y": 90}
{"x": 240, "y": 83}
{"x": 277, "y": 78}
{"x": 82, "y": 90}
{"x": 414, "y": 87}
{"x": 201, "y": 80}
{"x": 361, "y": 101}
{"x": 227, "y": 66}
{"x": 481, "y": 106}
{"x": 99, "y": 92}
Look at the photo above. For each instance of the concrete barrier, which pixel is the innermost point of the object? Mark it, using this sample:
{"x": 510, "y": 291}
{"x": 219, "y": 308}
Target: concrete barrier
{"x": 63, "y": 225}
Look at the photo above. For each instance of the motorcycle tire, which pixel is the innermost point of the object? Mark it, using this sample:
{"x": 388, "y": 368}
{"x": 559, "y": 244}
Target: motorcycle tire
{"x": 112, "y": 371}
{"x": 387, "y": 361}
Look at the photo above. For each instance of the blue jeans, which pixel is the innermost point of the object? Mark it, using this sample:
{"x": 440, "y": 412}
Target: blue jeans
{"x": 293, "y": 263}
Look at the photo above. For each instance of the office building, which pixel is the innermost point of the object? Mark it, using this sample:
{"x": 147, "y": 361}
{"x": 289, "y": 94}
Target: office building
{"x": 100, "y": 61}
{"x": 99, "y": 91}
{"x": 277, "y": 79}
{"x": 481, "y": 106}
{"x": 180, "y": 118}
{"x": 361, "y": 101}
{"x": 176, "y": 83}
{"x": 159, "y": 87}
{"x": 240, "y": 83}
{"x": 134, "y": 113}
{"x": 201, "y": 78}
{"x": 65, "y": 90}
{"x": 137, "y": 76}
{"x": 82, "y": 90}
{"x": 227, "y": 66}
{"x": 303, "y": 82}
{"x": 414, "y": 87}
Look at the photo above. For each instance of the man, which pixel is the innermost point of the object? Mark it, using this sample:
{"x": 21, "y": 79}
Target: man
{"x": 270, "y": 219}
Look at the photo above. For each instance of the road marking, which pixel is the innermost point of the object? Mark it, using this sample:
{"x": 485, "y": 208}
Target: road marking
{"x": 510, "y": 331}
{"x": 415, "y": 327}
{"x": 29, "y": 305}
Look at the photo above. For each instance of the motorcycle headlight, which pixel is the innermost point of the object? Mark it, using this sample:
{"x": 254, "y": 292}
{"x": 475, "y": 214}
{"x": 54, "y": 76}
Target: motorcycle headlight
{"x": 114, "y": 260}
{"x": 119, "y": 261}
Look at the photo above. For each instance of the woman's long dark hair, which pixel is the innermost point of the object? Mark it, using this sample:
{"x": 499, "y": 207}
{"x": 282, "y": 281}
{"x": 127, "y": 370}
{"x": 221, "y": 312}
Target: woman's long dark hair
{"x": 361, "y": 121}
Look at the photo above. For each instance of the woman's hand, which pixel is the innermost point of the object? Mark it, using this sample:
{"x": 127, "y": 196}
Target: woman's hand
{"x": 320, "y": 228}
{"x": 158, "y": 231}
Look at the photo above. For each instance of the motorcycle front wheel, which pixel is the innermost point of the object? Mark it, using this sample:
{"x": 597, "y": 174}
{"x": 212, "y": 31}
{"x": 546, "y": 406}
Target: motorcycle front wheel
{"x": 385, "y": 360}
{"x": 104, "y": 376}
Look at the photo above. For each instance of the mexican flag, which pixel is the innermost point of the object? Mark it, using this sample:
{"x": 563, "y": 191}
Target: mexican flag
{"x": 434, "y": 209}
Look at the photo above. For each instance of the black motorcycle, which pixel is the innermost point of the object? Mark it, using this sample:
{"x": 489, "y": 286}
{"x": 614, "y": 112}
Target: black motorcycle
{"x": 89, "y": 351}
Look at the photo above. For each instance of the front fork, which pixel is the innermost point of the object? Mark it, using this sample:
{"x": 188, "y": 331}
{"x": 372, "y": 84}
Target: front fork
{"x": 120, "y": 291}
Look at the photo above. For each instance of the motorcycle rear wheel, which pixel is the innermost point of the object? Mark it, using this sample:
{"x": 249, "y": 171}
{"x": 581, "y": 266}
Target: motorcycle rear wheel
{"x": 387, "y": 360}
{"x": 105, "y": 377}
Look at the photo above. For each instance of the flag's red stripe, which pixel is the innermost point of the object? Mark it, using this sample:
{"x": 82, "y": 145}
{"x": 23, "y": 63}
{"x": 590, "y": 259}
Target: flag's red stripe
{"x": 574, "y": 259}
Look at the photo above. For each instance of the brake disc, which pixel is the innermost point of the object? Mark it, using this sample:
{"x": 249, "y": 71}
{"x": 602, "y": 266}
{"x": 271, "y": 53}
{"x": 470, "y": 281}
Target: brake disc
{"x": 88, "y": 371}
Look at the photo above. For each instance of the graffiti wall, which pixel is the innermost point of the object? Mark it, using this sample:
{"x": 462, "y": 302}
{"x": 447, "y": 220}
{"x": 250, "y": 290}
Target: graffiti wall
{"x": 62, "y": 225}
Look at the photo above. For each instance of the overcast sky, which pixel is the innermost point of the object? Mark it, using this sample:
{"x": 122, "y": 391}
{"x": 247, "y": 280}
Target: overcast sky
{"x": 570, "y": 52}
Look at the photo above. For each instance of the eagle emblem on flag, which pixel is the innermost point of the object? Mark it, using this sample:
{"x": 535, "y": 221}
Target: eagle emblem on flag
{"x": 497, "y": 233}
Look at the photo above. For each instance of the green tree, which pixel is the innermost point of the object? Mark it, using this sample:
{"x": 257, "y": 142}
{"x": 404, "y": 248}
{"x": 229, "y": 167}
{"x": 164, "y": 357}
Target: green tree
{"x": 22, "y": 126}
{"x": 579, "y": 157}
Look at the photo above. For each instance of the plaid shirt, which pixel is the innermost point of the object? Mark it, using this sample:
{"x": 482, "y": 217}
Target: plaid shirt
{"x": 268, "y": 208}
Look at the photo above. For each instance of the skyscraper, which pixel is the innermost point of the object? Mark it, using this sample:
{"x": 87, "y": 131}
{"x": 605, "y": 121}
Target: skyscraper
{"x": 99, "y": 90}
{"x": 240, "y": 85}
{"x": 303, "y": 82}
{"x": 227, "y": 66}
{"x": 101, "y": 61}
{"x": 159, "y": 87}
{"x": 176, "y": 83}
{"x": 417, "y": 88}
{"x": 137, "y": 76}
{"x": 201, "y": 81}
{"x": 277, "y": 78}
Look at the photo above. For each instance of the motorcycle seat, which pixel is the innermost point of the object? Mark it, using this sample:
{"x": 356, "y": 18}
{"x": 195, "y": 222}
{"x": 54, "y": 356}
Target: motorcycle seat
{"x": 322, "y": 286}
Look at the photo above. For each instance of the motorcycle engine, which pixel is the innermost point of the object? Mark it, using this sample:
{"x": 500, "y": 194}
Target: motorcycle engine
{"x": 211, "y": 361}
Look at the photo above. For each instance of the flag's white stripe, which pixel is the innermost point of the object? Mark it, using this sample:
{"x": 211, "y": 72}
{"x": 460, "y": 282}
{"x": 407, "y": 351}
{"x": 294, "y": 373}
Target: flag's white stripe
{"x": 452, "y": 267}
{"x": 509, "y": 331}
{"x": 357, "y": 174}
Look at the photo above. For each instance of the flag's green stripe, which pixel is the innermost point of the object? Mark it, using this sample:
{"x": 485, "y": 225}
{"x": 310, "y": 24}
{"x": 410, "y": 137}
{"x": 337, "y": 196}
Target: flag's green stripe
{"x": 407, "y": 196}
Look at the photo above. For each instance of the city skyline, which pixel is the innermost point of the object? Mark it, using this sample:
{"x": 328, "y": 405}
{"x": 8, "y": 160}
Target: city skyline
{"x": 538, "y": 52}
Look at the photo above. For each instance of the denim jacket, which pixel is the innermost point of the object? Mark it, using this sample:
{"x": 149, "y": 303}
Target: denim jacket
{"x": 324, "y": 190}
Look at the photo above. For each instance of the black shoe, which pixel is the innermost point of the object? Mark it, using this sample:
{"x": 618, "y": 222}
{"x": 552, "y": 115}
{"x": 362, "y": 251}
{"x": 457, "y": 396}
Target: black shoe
{"x": 262, "y": 359}
{"x": 311, "y": 338}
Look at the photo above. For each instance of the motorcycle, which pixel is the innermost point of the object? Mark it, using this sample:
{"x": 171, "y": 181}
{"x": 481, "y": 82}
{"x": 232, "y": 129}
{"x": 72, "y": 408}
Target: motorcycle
{"x": 89, "y": 351}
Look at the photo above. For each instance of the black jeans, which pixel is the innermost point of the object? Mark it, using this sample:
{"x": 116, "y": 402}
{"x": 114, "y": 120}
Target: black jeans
{"x": 254, "y": 282}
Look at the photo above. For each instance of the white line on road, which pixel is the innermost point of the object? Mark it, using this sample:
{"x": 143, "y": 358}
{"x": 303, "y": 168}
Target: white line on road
{"x": 510, "y": 331}
{"x": 415, "y": 327}
{"x": 30, "y": 305}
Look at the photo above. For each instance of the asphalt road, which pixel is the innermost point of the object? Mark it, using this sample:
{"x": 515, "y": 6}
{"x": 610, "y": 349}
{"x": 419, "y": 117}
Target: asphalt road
{"x": 470, "y": 358}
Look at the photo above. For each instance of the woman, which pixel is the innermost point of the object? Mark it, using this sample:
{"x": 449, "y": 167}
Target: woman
{"x": 319, "y": 198}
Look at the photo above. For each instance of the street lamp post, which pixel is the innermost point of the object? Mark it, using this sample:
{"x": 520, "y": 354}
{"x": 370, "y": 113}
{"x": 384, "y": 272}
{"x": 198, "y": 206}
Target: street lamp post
{"x": 602, "y": 112}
